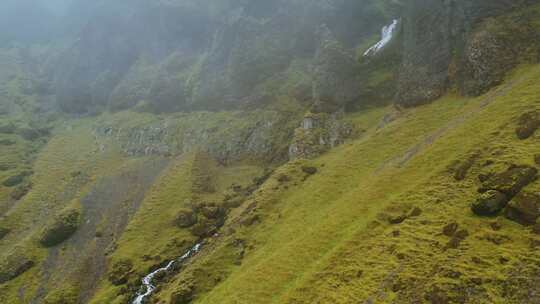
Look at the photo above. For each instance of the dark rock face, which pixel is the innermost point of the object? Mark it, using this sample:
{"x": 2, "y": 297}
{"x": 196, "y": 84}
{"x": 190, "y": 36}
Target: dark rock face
{"x": 528, "y": 124}
{"x": 489, "y": 203}
{"x": 524, "y": 208}
{"x": 336, "y": 81}
{"x": 511, "y": 181}
{"x": 61, "y": 228}
{"x": 445, "y": 45}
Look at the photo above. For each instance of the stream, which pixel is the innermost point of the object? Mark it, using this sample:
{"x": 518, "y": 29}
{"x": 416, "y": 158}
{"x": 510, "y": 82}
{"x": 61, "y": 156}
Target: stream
{"x": 148, "y": 288}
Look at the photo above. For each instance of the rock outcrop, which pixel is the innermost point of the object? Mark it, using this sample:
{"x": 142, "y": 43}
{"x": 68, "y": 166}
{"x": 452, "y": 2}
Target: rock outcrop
{"x": 61, "y": 228}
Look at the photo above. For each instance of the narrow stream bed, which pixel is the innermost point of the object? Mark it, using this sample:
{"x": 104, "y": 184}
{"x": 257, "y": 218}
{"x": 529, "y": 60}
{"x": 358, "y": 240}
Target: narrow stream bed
{"x": 147, "y": 282}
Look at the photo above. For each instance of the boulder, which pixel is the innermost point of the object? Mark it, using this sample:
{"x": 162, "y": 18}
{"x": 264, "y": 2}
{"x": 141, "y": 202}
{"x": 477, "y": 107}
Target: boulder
{"x": 120, "y": 272}
{"x": 528, "y": 123}
{"x": 490, "y": 203}
{"x": 61, "y": 228}
{"x": 13, "y": 266}
{"x": 511, "y": 181}
{"x": 15, "y": 180}
{"x": 185, "y": 218}
{"x": 524, "y": 208}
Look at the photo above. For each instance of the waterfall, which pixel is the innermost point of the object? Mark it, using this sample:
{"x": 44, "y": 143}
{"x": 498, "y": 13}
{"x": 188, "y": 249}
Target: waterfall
{"x": 148, "y": 288}
{"x": 387, "y": 35}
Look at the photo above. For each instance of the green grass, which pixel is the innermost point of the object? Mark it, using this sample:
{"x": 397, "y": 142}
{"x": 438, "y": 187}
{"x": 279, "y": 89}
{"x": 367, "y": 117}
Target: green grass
{"x": 326, "y": 240}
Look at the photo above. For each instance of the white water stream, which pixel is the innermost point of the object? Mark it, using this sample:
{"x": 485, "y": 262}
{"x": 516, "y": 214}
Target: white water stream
{"x": 387, "y": 35}
{"x": 148, "y": 288}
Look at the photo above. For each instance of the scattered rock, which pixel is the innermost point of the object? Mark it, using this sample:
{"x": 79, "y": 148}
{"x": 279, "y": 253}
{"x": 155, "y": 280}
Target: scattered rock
{"x": 457, "y": 238}
{"x": 463, "y": 168}
{"x": 511, "y": 181}
{"x": 524, "y": 208}
{"x": 62, "y": 227}
{"x": 415, "y": 212}
{"x": 528, "y": 124}
{"x": 185, "y": 218}
{"x": 397, "y": 219}
{"x": 120, "y": 272}
{"x": 282, "y": 178}
{"x": 309, "y": 170}
{"x": 489, "y": 203}
{"x": 450, "y": 229}
{"x": 496, "y": 226}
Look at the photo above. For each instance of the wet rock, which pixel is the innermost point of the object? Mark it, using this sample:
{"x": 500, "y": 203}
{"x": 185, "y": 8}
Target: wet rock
{"x": 524, "y": 208}
{"x": 528, "y": 124}
{"x": 121, "y": 272}
{"x": 185, "y": 218}
{"x": 450, "y": 229}
{"x": 13, "y": 266}
{"x": 489, "y": 203}
{"x": 511, "y": 181}
{"x": 61, "y": 228}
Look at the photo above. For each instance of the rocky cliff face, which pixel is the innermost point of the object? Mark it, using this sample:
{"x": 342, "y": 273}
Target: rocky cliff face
{"x": 456, "y": 44}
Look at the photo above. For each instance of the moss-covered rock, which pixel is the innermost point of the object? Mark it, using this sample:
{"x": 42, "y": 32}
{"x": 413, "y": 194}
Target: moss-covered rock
{"x": 524, "y": 208}
{"x": 15, "y": 180}
{"x": 61, "y": 228}
{"x": 528, "y": 124}
{"x": 120, "y": 272}
{"x": 14, "y": 265}
{"x": 511, "y": 181}
{"x": 185, "y": 218}
{"x": 490, "y": 203}
{"x": 206, "y": 227}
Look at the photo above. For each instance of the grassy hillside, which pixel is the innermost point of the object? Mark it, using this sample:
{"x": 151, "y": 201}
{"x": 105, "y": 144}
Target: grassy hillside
{"x": 365, "y": 222}
{"x": 328, "y": 238}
